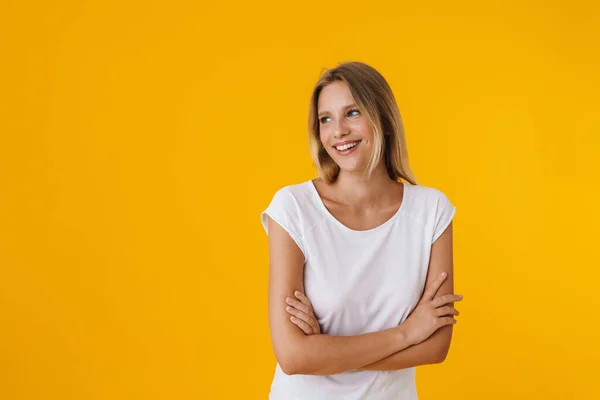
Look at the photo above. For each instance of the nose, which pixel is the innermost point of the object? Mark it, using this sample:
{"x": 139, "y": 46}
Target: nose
{"x": 340, "y": 128}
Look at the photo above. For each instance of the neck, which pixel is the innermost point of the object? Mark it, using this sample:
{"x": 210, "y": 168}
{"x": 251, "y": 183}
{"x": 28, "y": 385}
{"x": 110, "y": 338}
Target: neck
{"x": 354, "y": 187}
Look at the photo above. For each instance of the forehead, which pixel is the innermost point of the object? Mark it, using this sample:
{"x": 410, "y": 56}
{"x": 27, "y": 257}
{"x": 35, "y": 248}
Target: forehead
{"x": 335, "y": 95}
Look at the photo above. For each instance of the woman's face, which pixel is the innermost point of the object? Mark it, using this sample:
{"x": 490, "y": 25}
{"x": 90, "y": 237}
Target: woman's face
{"x": 342, "y": 124}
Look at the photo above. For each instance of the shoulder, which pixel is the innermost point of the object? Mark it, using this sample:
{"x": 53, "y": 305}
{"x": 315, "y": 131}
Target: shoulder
{"x": 292, "y": 196}
{"x": 287, "y": 209}
{"x": 432, "y": 208}
{"x": 425, "y": 197}
{"x": 426, "y": 193}
{"x": 290, "y": 202}
{"x": 425, "y": 203}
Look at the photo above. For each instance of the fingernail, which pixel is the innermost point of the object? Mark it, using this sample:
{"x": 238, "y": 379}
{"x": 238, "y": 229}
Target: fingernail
{"x": 443, "y": 274}
{"x": 297, "y": 293}
{"x": 460, "y": 296}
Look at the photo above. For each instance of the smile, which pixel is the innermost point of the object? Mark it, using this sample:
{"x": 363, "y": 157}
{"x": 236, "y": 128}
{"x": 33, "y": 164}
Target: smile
{"x": 347, "y": 148}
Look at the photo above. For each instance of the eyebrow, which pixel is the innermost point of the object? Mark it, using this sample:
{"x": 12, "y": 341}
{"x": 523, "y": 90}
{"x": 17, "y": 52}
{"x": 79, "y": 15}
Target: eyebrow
{"x": 345, "y": 107}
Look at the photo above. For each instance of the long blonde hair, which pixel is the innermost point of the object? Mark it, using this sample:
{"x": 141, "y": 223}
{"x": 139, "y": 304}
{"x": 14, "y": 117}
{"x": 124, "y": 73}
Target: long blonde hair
{"x": 375, "y": 100}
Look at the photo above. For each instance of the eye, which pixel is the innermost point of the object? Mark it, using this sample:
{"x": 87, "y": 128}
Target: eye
{"x": 322, "y": 120}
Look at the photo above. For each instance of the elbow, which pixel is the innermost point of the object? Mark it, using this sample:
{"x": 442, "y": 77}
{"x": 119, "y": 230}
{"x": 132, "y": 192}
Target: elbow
{"x": 443, "y": 346}
{"x": 290, "y": 362}
{"x": 442, "y": 353}
{"x": 290, "y": 352}
{"x": 293, "y": 367}
{"x": 288, "y": 366}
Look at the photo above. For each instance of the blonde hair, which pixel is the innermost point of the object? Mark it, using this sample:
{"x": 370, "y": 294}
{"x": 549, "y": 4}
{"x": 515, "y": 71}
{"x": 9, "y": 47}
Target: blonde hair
{"x": 375, "y": 100}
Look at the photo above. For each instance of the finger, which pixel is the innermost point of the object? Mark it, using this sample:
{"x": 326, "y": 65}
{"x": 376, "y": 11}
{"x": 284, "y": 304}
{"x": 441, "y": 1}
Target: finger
{"x": 303, "y": 299}
{"x": 305, "y": 328}
{"x": 434, "y": 287}
{"x": 445, "y": 299}
{"x": 296, "y": 304}
{"x": 302, "y": 325}
{"x": 446, "y": 310}
{"x": 303, "y": 317}
{"x": 446, "y": 321}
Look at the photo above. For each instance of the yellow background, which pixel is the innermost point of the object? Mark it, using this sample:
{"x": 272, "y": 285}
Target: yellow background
{"x": 141, "y": 140}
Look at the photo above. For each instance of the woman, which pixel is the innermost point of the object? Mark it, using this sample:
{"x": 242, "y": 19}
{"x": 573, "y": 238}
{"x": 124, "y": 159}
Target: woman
{"x": 361, "y": 270}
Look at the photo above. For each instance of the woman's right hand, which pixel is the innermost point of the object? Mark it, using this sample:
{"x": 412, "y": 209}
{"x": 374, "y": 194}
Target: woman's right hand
{"x": 430, "y": 314}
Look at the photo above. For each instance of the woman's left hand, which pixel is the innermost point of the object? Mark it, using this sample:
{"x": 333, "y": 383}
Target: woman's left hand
{"x": 303, "y": 314}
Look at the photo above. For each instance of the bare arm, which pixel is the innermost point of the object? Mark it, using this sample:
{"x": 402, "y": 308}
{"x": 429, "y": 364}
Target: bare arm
{"x": 427, "y": 352}
{"x": 435, "y": 348}
{"x": 315, "y": 354}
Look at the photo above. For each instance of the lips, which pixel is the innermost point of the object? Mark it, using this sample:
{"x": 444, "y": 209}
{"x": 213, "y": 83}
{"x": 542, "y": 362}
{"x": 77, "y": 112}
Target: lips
{"x": 348, "y": 151}
{"x": 345, "y": 142}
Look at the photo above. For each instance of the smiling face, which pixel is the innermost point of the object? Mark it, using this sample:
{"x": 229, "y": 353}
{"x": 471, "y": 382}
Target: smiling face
{"x": 342, "y": 124}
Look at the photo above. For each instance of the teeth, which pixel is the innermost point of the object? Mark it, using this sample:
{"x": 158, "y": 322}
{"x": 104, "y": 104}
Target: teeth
{"x": 346, "y": 146}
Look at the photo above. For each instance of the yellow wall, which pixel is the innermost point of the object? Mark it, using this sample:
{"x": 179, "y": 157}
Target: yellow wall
{"x": 139, "y": 143}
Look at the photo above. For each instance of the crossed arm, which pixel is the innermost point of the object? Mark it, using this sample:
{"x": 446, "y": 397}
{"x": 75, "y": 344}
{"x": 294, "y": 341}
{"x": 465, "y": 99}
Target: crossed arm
{"x": 430, "y": 351}
{"x": 321, "y": 354}
{"x": 434, "y": 349}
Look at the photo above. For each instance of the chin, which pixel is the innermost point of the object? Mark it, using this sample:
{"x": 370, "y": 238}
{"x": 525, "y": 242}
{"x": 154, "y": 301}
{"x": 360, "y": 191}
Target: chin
{"x": 350, "y": 167}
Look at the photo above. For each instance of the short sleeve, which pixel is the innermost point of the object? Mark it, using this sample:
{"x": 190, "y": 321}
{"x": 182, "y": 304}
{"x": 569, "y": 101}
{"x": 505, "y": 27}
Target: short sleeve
{"x": 444, "y": 213}
{"x": 284, "y": 210}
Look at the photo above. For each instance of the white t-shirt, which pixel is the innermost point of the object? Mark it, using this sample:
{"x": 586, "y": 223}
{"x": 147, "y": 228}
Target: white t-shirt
{"x": 359, "y": 281}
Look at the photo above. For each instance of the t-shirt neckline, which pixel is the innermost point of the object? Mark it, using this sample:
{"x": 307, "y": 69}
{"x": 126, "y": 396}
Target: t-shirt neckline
{"x": 341, "y": 225}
